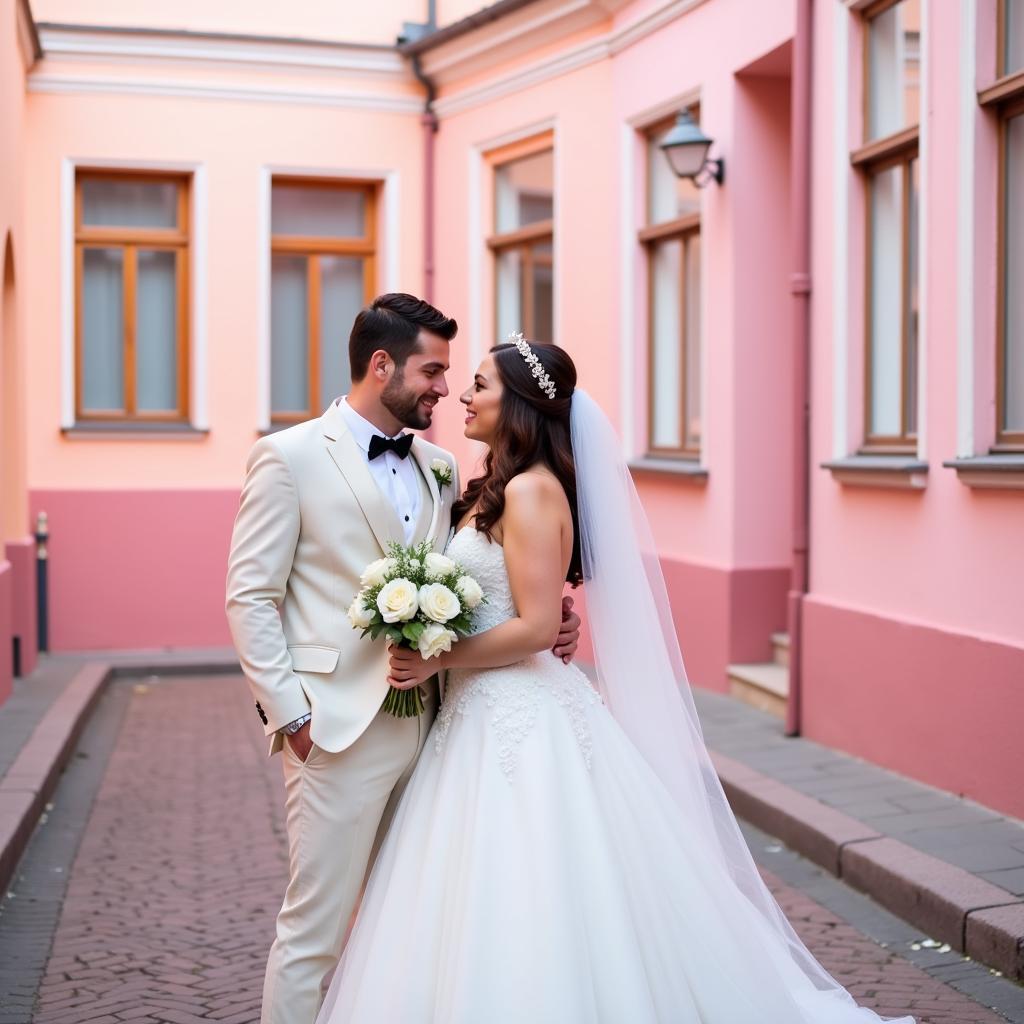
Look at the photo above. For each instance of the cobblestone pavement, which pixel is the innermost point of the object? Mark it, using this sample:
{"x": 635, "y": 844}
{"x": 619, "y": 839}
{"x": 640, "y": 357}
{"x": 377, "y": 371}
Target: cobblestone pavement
{"x": 149, "y": 893}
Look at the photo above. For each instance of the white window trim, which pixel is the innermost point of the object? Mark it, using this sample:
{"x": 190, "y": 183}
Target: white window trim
{"x": 965, "y": 369}
{"x": 843, "y": 234}
{"x": 387, "y": 252}
{"x": 923, "y": 219}
{"x": 633, "y": 279}
{"x": 198, "y": 413}
{"x": 480, "y": 256}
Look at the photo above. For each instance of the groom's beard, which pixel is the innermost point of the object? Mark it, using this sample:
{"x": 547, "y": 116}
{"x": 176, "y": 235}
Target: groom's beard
{"x": 404, "y": 404}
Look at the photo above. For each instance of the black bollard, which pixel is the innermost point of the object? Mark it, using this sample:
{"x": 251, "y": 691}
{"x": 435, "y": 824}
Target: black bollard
{"x": 42, "y": 564}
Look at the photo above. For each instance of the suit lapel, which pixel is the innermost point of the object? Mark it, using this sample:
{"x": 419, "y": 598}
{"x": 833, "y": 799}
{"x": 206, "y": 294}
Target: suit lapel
{"x": 423, "y": 462}
{"x": 351, "y": 461}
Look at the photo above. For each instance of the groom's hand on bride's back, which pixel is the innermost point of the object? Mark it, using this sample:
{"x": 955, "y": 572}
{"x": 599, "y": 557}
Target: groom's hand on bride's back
{"x": 569, "y": 635}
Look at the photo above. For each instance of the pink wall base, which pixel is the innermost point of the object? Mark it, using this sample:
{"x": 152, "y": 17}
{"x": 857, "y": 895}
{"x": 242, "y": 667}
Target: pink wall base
{"x": 6, "y": 634}
{"x": 941, "y": 707}
{"x": 22, "y": 556}
{"x": 724, "y": 616}
{"x": 137, "y": 569}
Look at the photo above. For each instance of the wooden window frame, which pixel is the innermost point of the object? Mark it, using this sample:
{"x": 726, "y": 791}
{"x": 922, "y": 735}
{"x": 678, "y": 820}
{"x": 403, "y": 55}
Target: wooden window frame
{"x": 313, "y": 248}
{"x": 682, "y": 230}
{"x": 1004, "y": 98}
{"x": 129, "y": 240}
{"x": 899, "y": 148}
{"x": 522, "y": 240}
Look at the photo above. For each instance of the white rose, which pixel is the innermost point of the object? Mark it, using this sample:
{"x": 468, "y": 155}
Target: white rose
{"x": 397, "y": 601}
{"x": 438, "y": 602}
{"x": 358, "y": 614}
{"x": 470, "y": 592}
{"x": 440, "y": 466}
{"x": 438, "y": 565}
{"x": 435, "y": 639}
{"x": 376, "y": 572}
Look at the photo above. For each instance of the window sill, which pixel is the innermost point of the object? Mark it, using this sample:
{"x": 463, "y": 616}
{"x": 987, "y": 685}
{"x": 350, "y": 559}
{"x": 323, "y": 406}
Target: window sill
{"x": 689, "y": 469}
{"x": 1003, "y": 471}
{"x": 901, "y": 472}
{"x": 134, "y": 431}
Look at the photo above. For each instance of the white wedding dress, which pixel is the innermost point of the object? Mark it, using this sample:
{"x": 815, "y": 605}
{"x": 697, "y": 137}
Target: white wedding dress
{"x": 539, "y": 871}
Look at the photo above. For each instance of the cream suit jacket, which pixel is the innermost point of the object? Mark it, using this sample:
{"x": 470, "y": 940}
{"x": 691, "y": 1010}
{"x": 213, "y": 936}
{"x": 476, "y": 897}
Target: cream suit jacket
{"x": 311, "y": 518}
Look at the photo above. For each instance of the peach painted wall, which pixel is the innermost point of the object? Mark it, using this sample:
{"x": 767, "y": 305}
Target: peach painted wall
{"x": 311, "y": 19}
{"x": 231, "y": 143}
{"x": 151, "y": 515}
{"x": 13, "y": 505}
{"x": 15, "y": 587}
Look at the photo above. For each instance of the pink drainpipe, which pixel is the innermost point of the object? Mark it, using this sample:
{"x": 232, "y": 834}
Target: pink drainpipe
{"x": 800, "y": 287}
{"x": 430, "y": 125}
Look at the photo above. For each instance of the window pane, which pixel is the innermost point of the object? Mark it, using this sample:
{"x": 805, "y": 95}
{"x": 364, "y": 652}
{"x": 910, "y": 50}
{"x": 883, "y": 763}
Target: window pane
{"x": 542, "y": 328}
{"x": 102, "y": 329}
{"x": 668, "y": 196}
{"x": 524, "y": 191}
{"x": 693, "y": 329}
{"x": 912, "y": 306}
{"x": 509, "y": 293}
{"x": 129, "y": 204}
{"x": 318, "y": 211}
{"x": 1013, "y": 291}
{"x": 886, "y": 316}
{"x": 666, "y": 343}
{"x": 156, "y": 331}
{"x": 1013, "y": 42}
{"x": 894, "y": 45}
{"x": 341, "y": 298}
{"x": 289, "y": 335}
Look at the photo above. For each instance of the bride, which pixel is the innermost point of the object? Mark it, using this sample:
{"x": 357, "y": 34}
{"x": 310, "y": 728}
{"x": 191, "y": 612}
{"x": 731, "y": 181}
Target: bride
{"x": 561, "y": 856}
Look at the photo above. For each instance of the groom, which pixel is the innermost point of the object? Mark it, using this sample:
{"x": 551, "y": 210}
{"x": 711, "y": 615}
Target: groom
{"x": 321, "y": 501}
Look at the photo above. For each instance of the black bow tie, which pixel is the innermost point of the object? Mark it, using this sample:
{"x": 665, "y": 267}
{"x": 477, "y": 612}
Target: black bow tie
{"x": 399, "y": 445}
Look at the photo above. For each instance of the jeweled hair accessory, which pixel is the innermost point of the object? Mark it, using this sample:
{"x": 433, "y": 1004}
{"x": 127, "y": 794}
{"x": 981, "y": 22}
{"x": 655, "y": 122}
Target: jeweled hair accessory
{"x": 547, "y": 385}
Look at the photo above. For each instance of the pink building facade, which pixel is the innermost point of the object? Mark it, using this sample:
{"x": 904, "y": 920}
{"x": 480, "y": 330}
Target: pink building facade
{"x": 196, "y": 214}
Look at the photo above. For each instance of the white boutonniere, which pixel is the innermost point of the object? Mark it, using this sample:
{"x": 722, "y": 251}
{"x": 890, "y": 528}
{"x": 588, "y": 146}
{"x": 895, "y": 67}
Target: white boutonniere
{"x": 442, "y": 472}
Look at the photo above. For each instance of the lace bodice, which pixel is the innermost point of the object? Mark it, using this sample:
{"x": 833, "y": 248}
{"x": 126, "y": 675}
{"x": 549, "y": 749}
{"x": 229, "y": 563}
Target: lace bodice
{"x": 484, "y": 560}
{"x": 513, "y": 693}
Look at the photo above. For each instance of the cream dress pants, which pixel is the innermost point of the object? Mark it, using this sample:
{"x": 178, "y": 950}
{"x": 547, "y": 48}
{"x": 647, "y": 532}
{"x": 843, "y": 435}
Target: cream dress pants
{"x": 338, "y": 810}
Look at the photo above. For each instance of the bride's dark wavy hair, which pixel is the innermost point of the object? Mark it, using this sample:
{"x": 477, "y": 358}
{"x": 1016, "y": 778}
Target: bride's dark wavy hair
{"x": 531, "y": 428}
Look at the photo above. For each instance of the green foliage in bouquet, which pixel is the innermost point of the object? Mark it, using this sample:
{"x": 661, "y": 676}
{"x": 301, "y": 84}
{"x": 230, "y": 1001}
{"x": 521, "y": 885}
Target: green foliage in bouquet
{"x": 418, "y": 599}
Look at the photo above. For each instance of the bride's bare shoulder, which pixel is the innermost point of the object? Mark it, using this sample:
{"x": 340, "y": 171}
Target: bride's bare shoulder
{"x": 534, "y": 492}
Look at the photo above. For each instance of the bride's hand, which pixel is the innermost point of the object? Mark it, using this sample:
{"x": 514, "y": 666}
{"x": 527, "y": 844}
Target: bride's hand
{"x": 409, "y": 668}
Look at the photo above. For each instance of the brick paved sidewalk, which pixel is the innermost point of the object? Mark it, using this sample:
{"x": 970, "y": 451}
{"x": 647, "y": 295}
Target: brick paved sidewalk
{"x": 165, "y": 914}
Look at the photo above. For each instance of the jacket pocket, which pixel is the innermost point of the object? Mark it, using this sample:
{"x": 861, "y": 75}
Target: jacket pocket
{"x": 313, "y": 658}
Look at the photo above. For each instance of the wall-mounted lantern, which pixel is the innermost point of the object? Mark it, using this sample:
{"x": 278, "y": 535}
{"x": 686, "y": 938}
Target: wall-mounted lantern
{"x": 686, "y": 148}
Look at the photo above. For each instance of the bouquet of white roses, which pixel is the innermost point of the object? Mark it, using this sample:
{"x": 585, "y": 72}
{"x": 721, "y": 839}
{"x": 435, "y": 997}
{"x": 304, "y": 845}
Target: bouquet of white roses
{"x": 417, "y": 599}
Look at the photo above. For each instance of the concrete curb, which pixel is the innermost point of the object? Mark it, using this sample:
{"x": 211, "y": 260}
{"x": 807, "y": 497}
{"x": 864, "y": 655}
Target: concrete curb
{"x": 32, "y": 778}
{"x": 944, "y": 901}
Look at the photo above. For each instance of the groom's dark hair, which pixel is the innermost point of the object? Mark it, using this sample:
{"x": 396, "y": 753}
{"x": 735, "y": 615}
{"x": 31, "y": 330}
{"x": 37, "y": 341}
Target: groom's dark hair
{"x": 392, "y": 323}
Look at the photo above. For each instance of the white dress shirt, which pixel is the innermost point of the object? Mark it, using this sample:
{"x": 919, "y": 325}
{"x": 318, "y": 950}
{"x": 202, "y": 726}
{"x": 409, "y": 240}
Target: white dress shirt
{"x": 397, "y": 478}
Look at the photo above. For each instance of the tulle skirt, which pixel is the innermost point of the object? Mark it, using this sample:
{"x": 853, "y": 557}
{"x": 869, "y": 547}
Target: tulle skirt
{"x": 538, "y": 871}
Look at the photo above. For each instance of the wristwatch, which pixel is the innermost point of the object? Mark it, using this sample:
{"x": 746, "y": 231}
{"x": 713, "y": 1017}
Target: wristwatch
{"x": 293, "y": 727}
